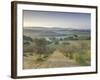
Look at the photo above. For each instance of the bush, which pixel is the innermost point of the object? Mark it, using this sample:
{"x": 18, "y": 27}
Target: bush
{"x": 68, "y": 50}
{"x": 26, "y": 38}
{"x": 83, "y": 54}
{"x": 28, "y": 48}
{"x": 79, "y": 51}
{"x": 56, "y": 42}
{"x": 83, "y": 58}
{"x": 42, "y": 48}
{"x": 26, "y": 43}
{"x": 66, "y": 43}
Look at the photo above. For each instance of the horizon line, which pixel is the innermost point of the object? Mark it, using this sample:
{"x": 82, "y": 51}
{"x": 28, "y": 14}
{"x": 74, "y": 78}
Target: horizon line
{"x": 54, "y": 27}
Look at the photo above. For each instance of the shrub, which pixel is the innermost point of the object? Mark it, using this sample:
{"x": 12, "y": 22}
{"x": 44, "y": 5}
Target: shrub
{"x": 83, "y": 58}
{"x": 27, "y": 38}
{"x": 42, "y": 48}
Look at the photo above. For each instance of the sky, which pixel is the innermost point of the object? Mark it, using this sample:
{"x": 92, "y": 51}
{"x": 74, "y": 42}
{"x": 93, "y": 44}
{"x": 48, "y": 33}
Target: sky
{"x": 50, "y": 19}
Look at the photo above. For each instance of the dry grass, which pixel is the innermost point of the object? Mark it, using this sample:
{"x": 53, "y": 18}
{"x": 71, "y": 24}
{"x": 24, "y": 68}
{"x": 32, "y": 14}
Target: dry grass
{"x": 57, "y": 59}
{"x": 80, "y": 56}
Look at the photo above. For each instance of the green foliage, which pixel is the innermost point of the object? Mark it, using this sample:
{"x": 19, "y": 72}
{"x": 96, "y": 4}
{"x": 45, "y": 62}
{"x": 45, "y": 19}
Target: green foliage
{"x": 26, "y": 38}
{"x": 42, "y": 48}
{"x": 77, "y": 51}
{"x": 75, "y": 35}
{"x": 40, "y": 45}
{"x": 66, "y": 43}
{"x": 39, "y": 59}
{"x": 72, "y": 47}
{"x": 41, "y": 42}
{"x": 83, "y": 58}
{"x": 28, "y": 48}
{"x": 26, "y": 43}
{"x": 56, "y": 42}
{"x": 68, "y": 49}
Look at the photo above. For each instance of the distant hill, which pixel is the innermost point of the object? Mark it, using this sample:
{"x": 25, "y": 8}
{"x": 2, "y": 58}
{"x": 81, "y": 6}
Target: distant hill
{"x": 54, "y": 28}
{"x": 52, "y": 32}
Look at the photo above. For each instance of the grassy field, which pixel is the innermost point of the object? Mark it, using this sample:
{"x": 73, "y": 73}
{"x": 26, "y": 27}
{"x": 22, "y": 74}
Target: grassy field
{"x": 56, "y": 47}
{"x": 63, "y": 53}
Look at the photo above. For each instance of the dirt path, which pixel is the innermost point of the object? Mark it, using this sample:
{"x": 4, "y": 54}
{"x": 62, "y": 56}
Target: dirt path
{"x": 57, "y": 59}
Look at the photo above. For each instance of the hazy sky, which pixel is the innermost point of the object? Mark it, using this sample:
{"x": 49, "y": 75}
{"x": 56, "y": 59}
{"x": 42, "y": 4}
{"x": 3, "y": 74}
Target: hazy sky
{"x": 56, "y": 19}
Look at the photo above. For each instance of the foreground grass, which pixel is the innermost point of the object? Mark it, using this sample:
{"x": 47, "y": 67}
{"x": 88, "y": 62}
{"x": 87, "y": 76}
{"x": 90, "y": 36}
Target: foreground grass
{"x": 67, "y": 54}
{"x": 57, "y": 59}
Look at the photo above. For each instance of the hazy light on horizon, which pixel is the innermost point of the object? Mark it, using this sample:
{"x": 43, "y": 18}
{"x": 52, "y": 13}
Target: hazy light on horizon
{"x": 56, "y": 19}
